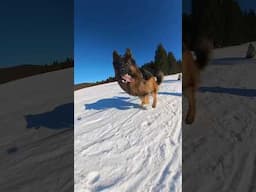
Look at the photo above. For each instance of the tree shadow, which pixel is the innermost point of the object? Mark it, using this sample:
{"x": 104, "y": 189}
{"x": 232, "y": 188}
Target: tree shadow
{"x": 122, "y": 92}
{"x": 168, "y": 93}
{"x": 12, "y": 150}
{"x": 171, "y": 81}
{"x": 232, "y": 61}
{"x": 120, "y": 103}
{"x": 60, "y": 117}
{"x": 232, "y": 91}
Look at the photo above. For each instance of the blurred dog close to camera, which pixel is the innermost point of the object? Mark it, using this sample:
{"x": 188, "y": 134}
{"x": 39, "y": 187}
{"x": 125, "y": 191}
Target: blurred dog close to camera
{"x": 193, "y": 62}
{"x": 135, "y": 81}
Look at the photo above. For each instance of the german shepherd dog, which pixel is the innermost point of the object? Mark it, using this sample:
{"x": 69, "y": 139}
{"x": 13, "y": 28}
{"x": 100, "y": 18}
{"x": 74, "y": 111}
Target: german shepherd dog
{"x": 192, "y": 64}
{"x": 135, "y": 81}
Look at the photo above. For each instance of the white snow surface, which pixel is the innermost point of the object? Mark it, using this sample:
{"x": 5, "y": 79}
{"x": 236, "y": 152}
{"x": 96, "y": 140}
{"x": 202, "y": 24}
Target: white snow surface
{"x": 37, "y": 159}
{"x": 121, "y": 147}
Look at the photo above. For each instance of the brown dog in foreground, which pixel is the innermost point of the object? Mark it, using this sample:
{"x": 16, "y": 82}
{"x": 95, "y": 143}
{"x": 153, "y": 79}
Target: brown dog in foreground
{"x": 192, "y": 64}
{"x": 135, "y": 81}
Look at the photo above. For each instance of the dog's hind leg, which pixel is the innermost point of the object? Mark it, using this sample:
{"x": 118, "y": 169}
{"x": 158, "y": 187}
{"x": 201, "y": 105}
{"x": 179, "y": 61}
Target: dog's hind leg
{"x": 190, "y": 93}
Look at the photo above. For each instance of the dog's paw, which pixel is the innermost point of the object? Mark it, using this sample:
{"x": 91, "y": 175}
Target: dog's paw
{"x": 189, "y": 120}
{"x": 144, "y": 107}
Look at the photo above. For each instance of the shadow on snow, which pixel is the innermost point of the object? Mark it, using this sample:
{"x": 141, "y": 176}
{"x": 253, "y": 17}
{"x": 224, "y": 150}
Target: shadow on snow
{"x": 60, "y": 117}
{"x": 232, "y": 91}
{"x": 121, "y": 103}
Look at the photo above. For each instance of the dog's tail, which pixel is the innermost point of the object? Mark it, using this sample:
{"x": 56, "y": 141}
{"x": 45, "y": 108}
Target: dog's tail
{"x": 159, "y": 77}
{"x": 203, "y": 52}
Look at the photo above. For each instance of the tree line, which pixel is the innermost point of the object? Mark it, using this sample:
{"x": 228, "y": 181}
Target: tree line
{"x": 58, "y": 65}
{"x": 21, "y": 71}
{"x": 223, "y": 21}
{"x": 164, "y": 61}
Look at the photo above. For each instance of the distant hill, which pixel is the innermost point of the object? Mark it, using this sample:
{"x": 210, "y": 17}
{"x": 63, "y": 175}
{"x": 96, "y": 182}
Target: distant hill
{"x": 21, "y": 71}
{"x": 84, "y": 85}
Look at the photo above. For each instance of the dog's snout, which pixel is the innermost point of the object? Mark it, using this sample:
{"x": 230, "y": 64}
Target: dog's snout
{"x": 123, "y": 70}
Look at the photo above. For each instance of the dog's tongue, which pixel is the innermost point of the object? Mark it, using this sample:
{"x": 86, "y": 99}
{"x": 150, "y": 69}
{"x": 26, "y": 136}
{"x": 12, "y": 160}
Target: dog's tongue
{"x": 127, "y": 78}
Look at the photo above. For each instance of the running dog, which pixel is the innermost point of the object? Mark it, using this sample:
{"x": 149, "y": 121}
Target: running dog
{"x": 135, "y": 81}
{"x": 192, "y": 64}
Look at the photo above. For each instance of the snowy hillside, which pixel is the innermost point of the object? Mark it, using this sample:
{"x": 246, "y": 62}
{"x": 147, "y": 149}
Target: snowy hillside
{"x": 224, "y": 129}
{"x": 36, "y": 133}
{"x": 121, "y": 147}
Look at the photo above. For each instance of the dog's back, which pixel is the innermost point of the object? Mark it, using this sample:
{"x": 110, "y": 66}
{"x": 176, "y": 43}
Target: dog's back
{"x": 150, "y": 72}
{"x": 195, "y": 61}
{"x": 202, "y": 53}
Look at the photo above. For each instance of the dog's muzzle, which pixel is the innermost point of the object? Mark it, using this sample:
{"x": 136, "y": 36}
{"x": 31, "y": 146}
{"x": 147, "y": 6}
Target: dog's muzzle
{"x": 124, "y": 68}
{"x": 127, "y": 78}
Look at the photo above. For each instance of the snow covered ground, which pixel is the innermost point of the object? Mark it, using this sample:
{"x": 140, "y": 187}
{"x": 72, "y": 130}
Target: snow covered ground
{"x": 36, "y": 124}
{"x": 219, "y": 148}
{"x": 120, "y": 147}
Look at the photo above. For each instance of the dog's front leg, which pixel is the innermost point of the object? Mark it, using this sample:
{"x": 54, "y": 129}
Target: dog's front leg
{"x": 146, "y": 100}
{"x": 154, "y": 94}
{"x": 190, "y": 93}
{"x": 142, "y": 98}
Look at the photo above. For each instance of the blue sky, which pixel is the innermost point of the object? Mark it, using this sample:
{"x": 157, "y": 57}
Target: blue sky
{"x": 36, "y": 31}
{"x": 102, "y": 26}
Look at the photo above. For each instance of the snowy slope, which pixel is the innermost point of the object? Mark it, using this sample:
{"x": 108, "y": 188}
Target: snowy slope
{"x": 120, "y": 147}
{"x": 37, "y": 159}
{"x": 224, "y": 129}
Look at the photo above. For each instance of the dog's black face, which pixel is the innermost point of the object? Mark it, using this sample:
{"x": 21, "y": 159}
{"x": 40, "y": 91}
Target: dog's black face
{"x": 123, "y": 66}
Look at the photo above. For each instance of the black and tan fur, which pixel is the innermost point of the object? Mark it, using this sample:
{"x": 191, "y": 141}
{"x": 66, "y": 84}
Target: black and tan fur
{"x": 138, "y": 84}
{"x": 192, "y": 64}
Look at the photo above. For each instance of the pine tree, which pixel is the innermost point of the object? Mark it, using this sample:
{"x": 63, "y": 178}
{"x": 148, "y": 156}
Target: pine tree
{"x": 161, "y": 60}
{"x": 172, "y": 63}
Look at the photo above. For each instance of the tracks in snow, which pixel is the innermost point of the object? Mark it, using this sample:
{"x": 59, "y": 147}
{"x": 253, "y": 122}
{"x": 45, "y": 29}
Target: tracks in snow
{"x": 130, "y": 150}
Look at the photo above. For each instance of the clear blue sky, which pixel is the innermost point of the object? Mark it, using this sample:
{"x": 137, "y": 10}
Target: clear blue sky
{"x": 36, "y": 31}
{"x": 102, "y": 26}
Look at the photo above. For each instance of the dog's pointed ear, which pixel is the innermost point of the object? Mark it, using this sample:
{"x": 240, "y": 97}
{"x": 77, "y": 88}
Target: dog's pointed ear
{"x": 115, "y": 55}
{"x": 128, "y": 53}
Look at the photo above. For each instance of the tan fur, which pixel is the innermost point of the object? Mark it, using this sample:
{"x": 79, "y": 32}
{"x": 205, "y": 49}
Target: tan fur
{"x": 190, "y": 82}
{"x": 142, "y": 88}
{"x": 139, "y": 87}
{"x": 191, "y": 68}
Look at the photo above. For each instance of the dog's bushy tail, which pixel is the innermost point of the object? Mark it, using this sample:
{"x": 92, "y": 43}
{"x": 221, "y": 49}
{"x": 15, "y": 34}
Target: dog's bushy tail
{"x": 149, "y": 72}
{"x": 203, "y": 52}
{"x": 159, "y": 77}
